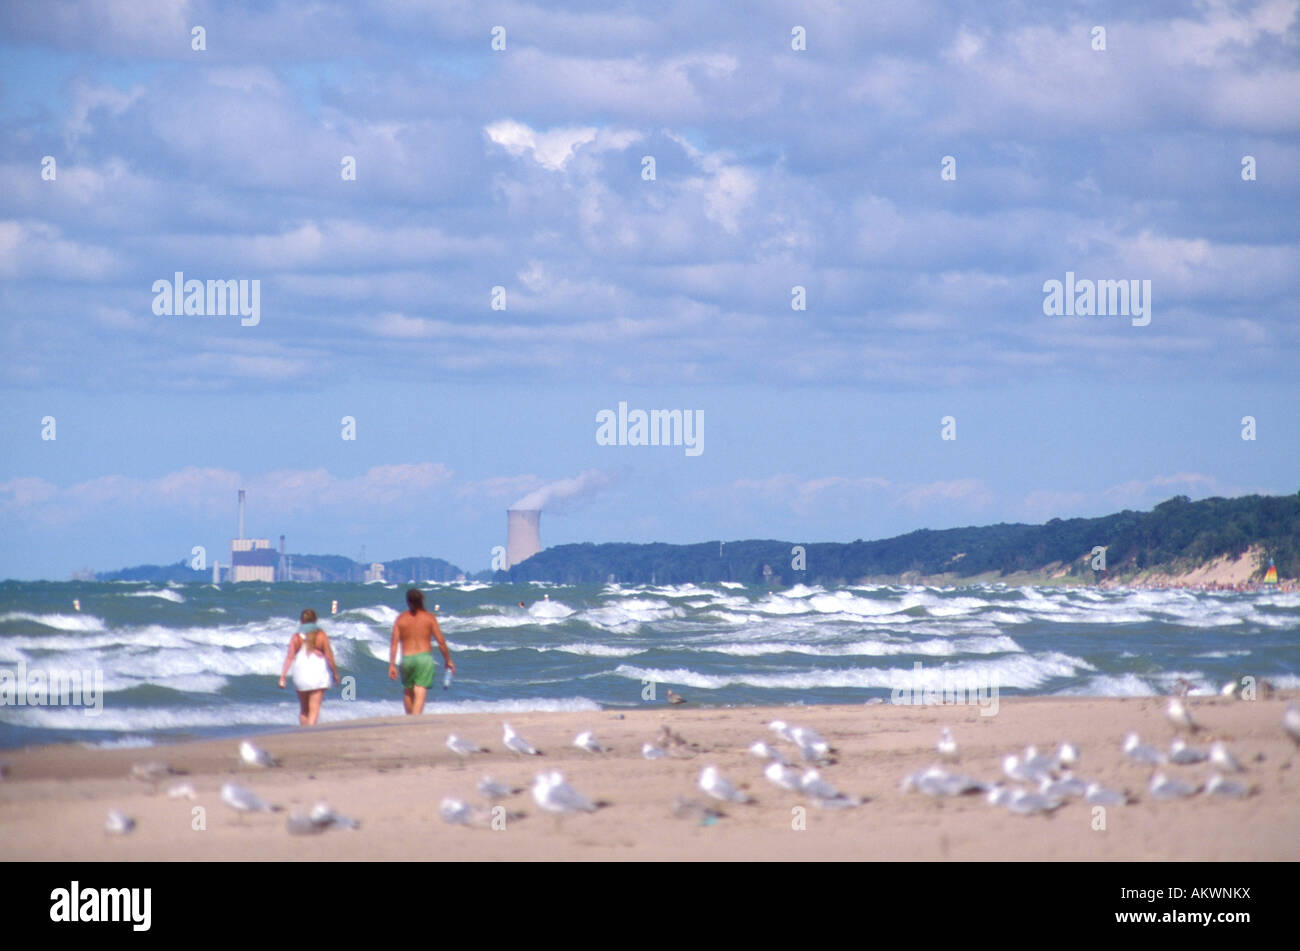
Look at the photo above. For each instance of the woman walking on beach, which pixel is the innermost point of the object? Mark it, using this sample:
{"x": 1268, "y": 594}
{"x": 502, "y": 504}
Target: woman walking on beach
{"x": 309, "y": 654}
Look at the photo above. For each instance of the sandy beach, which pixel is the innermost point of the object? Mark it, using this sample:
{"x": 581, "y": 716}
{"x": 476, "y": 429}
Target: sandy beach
{"x": 392, "y": 773}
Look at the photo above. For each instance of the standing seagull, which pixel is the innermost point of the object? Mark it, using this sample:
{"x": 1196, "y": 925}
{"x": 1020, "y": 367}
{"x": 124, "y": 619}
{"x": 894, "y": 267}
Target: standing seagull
{"x": 1218, "y": 786}
{"x": 152, "y": 773}
{"x": 675, "y": 697}
{"x": 1162, "y": 787}
{"x": 1099, "y": 795}
{"x": 118, "y": 823}
{"x": 1139, "y": 752}
{"x": 320, "y": 818}
{"x": 242, "y": 800}
{"x": 719, "y": 787}
{"x": 823, "y": 793}
{"x": 783, "y": 776}
{"x": 494, "y": 791}
{"x": 947, "y": 746}
{"x": 517, "y": 743}
{"x": 463, "y": 748}
{"x": 587, "y": 741}
{"x": 553, "y": 794}
{"x": 1223, "y": 759}
{"x": 763, "y": 750}
{"x": 1291, "y": 723}
{"x": 1181, "y": 753}
{"x": 1178, "y": 715}
{"x": 1067, "y": 754}
{"x": 255, "y": 756}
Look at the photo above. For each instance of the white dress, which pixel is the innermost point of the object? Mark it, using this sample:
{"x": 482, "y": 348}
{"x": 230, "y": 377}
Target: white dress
{"x": 310, "y": 672}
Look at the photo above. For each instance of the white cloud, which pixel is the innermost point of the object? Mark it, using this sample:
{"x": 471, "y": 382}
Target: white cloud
{"x": 551, "y": 150}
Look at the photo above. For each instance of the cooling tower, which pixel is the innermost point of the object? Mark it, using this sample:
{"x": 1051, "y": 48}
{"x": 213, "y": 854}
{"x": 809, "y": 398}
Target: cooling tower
{"x": 523, "y": 534}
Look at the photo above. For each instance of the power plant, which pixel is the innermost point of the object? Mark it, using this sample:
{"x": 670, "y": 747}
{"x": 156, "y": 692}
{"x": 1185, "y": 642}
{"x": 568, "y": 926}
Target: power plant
{"x": 523, "y": 534}
{"x": 251, "y": 559}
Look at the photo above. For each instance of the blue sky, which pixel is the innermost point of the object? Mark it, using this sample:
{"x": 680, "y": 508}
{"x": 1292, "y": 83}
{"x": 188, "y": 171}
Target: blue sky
{"x": 522, "y": 168}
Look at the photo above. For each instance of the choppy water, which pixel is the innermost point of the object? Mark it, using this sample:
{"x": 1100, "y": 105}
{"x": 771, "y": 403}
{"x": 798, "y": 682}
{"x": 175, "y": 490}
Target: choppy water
{"x": 196, "y": 660}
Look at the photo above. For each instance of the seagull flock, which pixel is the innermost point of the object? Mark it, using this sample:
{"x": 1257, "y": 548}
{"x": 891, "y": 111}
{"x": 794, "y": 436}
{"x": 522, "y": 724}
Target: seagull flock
{"x": 1032, "y": 782}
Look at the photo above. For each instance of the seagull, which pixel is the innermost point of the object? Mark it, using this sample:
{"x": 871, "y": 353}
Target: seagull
{"x": 320, "y": 818}
{"x": 587, "y": 741}
{"x": 766, "y": 751}
{"x": 1218, "y": 786}
{"x": 1162, "y": 787}
{"x": 719, "y": 787}
{"x": 1066, "y": 787}
{"x": 1223, "y": 759}
{"x": 243, "y": 800}
{"x": 1039, "y": 763}
{"x": 1139, "y": 752}
{"x": 153, "y": 772}
{"x": 1182, "y": 754}
{"x": 947, "y": 746}
{"x": 1178, "y": 715}
{"x": 182, "y": 791}
{"x": 553, "y": 794}
{"x": 1067, "y": 754}
{"x": 254, "y": 756}
{"x": 675, "y": 697}
{"x": 784, "y": 776}
{"x": 1291, "y": 722}
{"x": 1231, "y": 689}
{"x": 676, "y": 742}
{"x": 782, "y": 729}
{"x": 456, "y": 812}
{"x": 493, "y": 790}
{"x": 1099, "y": 795}
{"x": 823, "y": 793}
{"x": 323, "y": 815}
{"x": 937, "y": 781}
{"x": 461, "y": 747}
{"x": 650, "y": 751}
{"x": 118, "y": 823}
{"x": 807, "y": 739}
{"x": 1012, "y": 768}
{"x": 999, "y": 795}
{"x": 517, "y": 743}
{"x": 1025, "y": 803}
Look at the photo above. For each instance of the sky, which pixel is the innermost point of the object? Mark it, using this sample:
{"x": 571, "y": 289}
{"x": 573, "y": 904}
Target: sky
{"x": 470, "y": 252}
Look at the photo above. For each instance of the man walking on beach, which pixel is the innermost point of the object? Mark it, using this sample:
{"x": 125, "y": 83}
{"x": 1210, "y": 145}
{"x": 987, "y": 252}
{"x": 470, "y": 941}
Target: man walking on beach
{"x": 415, "y": 630}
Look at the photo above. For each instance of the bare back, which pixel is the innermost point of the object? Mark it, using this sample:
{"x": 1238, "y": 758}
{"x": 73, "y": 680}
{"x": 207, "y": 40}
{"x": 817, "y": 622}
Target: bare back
{"x": 416, "y": 632}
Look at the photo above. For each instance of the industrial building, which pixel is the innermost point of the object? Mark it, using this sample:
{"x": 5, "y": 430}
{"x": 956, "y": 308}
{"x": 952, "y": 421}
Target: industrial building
{"x": 252, "y": 559}
{"x": 523, "y": 534}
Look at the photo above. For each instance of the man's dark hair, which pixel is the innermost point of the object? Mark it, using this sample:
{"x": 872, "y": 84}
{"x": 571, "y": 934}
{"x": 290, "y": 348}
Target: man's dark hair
{"x": 415, "y": 600}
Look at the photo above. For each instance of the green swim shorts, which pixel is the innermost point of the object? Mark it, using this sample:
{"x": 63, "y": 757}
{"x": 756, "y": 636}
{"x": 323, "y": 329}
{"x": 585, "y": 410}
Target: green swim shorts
{"x": 418, "y": 670}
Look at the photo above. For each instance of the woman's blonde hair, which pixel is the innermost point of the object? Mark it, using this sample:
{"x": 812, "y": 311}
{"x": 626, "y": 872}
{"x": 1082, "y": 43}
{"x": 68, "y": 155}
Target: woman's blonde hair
{"x": 309, "y": 617}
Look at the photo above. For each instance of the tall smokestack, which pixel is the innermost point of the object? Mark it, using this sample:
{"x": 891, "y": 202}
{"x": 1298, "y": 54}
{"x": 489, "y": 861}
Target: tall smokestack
{"x": 241, "y": 513}
{"x": 523, "y": 534}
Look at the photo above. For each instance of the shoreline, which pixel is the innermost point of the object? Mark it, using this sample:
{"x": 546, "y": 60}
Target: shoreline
{"x": 391, "y": 774}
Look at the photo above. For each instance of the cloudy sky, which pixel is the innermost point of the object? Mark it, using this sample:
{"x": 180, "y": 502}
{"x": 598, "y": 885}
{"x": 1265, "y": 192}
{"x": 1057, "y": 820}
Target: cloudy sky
{"x": 525, "y": 169}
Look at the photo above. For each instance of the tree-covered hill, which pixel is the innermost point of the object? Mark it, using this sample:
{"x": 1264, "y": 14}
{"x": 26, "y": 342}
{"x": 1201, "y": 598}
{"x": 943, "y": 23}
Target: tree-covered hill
{"x": 1177, "y": 533}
